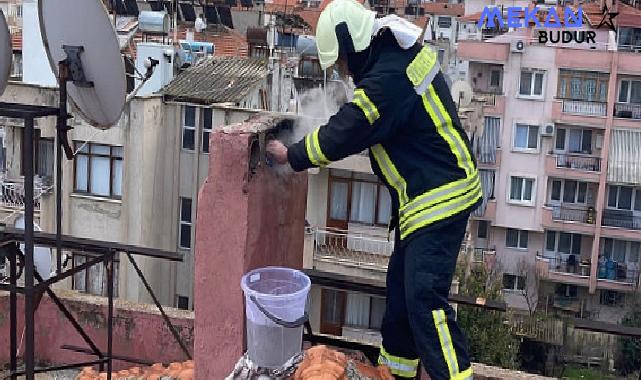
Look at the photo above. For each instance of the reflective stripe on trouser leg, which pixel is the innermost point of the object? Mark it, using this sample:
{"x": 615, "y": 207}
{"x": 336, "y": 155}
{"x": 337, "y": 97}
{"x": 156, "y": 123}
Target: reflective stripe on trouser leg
{"x": 399, "y": 366}
{"x": 445, "y": 339}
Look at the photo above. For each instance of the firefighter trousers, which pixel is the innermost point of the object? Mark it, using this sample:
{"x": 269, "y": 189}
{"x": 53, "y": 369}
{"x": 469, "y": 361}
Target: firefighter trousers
{"x": 419, "y": 323}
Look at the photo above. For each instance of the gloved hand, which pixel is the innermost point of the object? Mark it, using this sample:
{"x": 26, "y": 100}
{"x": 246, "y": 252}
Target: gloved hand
{"x": 277, "y": 151}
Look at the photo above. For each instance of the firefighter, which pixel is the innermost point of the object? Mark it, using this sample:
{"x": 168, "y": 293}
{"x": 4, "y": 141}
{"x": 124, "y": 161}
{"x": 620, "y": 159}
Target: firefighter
{"x": 402, "y": 111}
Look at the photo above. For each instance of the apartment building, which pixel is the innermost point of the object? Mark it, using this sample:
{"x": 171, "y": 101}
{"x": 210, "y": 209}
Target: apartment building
{"x": 559, "y": 163}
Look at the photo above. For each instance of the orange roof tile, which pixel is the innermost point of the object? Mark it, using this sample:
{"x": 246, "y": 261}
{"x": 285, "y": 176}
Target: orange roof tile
{"x": 16, "y": 41}
{"x": 444, "y": 9}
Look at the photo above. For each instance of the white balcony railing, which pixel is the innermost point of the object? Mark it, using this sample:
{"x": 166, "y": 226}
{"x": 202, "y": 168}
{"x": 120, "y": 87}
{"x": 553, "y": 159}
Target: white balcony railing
{"x": 12, "y": 194}
{"x": 582, "y": 107}
{"x": 353, "y": 249}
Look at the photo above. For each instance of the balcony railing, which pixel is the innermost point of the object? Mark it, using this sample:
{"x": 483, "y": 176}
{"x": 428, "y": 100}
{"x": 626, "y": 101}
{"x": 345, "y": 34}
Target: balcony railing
{"x": 572, "y": 161}
{"x": 12, "y": 194}
{"x": 568, "y": 266}
{"x": 627, "y": 111}
{"x": 566, "y": 213}
{"x": 584, "y": 107}
{"x": 613, "y": 271}
{"x": 622, "y": 219}
{"x": 480, "y": 254}
{"x": 352, "y": 249}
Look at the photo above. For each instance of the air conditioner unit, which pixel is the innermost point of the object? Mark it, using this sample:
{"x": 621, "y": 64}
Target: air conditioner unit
{"x": 548, "y": 130}
{"x": 517, "y": 46}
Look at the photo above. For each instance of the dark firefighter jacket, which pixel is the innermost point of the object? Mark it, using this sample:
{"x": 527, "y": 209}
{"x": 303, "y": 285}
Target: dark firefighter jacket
{"x": 403, "y": 112}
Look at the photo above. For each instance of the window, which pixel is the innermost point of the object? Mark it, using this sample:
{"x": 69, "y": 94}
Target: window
{"x": 629, "y": 39}
{"x": 98, "y": 170}
{"x": 531, "y": 83}
{"x": 630, "y": 91}
{"x": 93, "y": 280}
{"x": 45, "y": 158}
{"x": 583, "y": 85}
{"x": 611, "y": 298}
{"x": 574, "y": 140}
{"x": 526, "y": 137}
{"x": 516, "y": 238}
{"x": 566, "y": 291}
{"x": 513, "y": 283}
{"x": 3, "y": 154}
{"x": 358, "y": 198}
{"x": 189, "y": 128}
{"x": 363, "y": 311}
{"x": 185, "y": 223}
{"x": 622, "y": 197}
{"x": 182, "y": 302}
{"x": 569, "y": 191}
{"x": 481, "y": 231}
{"x": 521, "y": 190}
{"x": 562, "y": 242}
{"x": 441, "y": 56}
{"x": 495, "y": 79}
{"x": 621, "y": 251}
{"x": 444, "y": 22}
{"x": 207, "y": 123}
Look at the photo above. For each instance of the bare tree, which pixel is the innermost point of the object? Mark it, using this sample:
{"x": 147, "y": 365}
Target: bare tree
{"x": 527, "y": 270}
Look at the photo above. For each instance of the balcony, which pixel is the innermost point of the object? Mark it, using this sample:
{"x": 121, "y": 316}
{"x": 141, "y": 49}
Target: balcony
{"x": 564, "y": 270}
{"x": 617, "y": 276}
{"x": 12, "y": 194}
{"x": 623, "y": 219}
{"x": 584, "y": 107}
{"x": 627, "y": 111}
{"x": 351, "y": 253}
{"x": 479, "y": 51}
{"x": 488, "y": 213}
{"x": 572, "y": 218}
{"x": 576, "y": 166}
{"x": 483, "y": 257}
{"x": 486, "y": 162}
{"x": 493, "y": 102}
{"x": 579, "y": 112}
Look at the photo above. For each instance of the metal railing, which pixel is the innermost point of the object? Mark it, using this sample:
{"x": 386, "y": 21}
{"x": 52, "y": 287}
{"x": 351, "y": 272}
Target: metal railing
{"x": 573, "y": 161}
{"x": 489, "y": 97}
{"x": 352, "y": 248}
{"x": 617, "y": 272}
{"x": 584, "y": 107}
{"x": 621, "y": 219}
{"x": 566, "y": 213}
{"x": 12, "y": 194}
{"x": 627, "y": 111}
{"x": 561, "y": 265}
{"x": 479, "y": 254}
{"x": 629, "y": 48}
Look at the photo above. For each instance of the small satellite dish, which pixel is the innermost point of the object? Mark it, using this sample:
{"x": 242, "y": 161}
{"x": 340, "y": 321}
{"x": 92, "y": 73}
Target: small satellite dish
{"x": 462, "y": 93}
{"x": 6, "y": 54}
{"x": 41, "y": 255}
{"x": 83, "y": 28}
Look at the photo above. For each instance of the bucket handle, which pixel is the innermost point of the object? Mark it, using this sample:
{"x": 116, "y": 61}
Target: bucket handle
{"x": 290, "y": 325}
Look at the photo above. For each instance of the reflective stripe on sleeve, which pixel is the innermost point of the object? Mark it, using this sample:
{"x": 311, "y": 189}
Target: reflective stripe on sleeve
{"x": 365, "y": 104}
{"x": 314, "y": 152}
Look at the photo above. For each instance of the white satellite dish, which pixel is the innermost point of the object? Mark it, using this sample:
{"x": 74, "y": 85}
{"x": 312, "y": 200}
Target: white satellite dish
{"x": 6, "y": 54}
{"x": 461, "y": 93}
{"x": 86, "y": 24}
{"x": 41, "y": 255}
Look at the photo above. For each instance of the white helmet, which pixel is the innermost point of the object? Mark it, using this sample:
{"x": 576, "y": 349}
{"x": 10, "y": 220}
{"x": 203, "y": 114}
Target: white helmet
{"x": 344, "y": 26}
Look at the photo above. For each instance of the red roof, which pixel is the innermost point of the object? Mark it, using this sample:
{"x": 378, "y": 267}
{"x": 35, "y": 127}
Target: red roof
{"x": 16, "y": 41}
{"x": 444, "y": 9}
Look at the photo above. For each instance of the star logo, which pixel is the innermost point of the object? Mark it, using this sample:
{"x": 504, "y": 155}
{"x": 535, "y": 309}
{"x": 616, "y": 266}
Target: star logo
{"x": 608, "y": 19}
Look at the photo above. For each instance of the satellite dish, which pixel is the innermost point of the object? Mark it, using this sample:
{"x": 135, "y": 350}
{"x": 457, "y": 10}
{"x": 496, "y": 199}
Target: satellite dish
{"x": 6, "y": 54}
{"x": 83, "y": 27}
{"x": 461, "y": 93}
{"x": 41, "y": 255}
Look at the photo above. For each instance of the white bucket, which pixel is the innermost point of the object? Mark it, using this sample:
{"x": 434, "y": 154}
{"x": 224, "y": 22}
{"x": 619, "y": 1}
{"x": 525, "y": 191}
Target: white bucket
{"x": 275, "y": 301}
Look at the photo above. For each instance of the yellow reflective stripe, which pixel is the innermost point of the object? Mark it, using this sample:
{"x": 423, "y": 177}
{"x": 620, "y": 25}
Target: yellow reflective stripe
{"x": 440, "y": 211}
{"x": 465, "y": 375}
{"x": 365, "y": 104}
{"x": 399, "y": 366}
{"x": 314, "y": 152}
{"x": 390, "y": 172}
{"x": 437, "y": 195}
{"x": 440, "y": 322}
{"x": 422, "y": 70}
{"x": 445, "y": 128}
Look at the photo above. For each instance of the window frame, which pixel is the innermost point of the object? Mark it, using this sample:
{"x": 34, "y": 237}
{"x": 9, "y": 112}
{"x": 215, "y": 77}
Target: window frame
{"x": 351, "y": 180}
{"x": 521, "y": 201}
{"x": 577, "y": 192}
{"x": 564, "y": 85}
{"x": 575, "y": 240}
{"x": 531, "y": 94}
{"x": 529, "y": 126}
{"x": 485, "y": 229}
{"x": 628, "y": 97}
{"x": 518, "y": 281}
{"x": 186, "y": 128}
{"x": 88, "y": 277}
{"x": 113, "y": 158}
{"x": 207, "y": 129}
{"x": 633, "y": 198}
{"x": 521, "y": 236}
{"x": 448, "y": 18}
{"x": 188, "y": 223}
{"x": 567, "y": 132}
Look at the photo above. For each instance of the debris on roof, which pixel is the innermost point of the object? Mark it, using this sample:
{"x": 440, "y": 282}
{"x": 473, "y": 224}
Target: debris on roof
{"x": 217, "y": 80}
{"x": 175, "y": 371}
